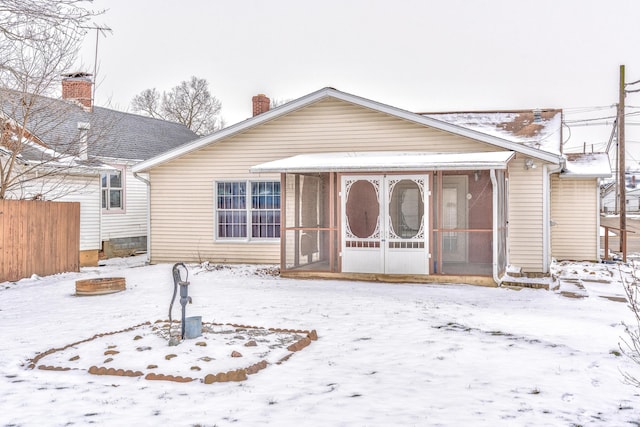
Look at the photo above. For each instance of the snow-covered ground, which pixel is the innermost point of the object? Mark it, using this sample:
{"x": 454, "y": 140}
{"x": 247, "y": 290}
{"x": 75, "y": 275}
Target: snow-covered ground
{"x": 387, "y": 354}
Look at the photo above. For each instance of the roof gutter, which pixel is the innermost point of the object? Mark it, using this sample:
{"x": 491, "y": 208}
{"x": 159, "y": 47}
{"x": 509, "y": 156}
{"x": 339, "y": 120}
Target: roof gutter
{"x": 73, "y": 170}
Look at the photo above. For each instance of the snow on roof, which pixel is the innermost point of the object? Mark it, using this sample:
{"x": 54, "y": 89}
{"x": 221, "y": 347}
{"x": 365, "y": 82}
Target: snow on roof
{"x": 33, "y": 152}
{"x": 587, "y": 165}
{"x": 386, "y": 161}
{"x": 539, "y": 129}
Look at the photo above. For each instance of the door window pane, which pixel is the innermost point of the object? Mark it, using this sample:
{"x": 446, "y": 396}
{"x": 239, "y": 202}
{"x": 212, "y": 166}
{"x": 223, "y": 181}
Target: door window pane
{"x": 406, "y": 209}
{"x": 362, "y": 209}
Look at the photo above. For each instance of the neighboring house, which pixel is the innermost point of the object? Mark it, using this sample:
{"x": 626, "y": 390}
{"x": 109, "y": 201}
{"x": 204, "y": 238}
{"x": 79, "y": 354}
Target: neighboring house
{"x": 107, "y": 143}
{"x": 610, "y": 197}
{"x": 335, "y": 185}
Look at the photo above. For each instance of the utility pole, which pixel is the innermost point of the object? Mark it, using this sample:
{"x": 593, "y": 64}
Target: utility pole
{"x": 621, "y": 169}
{"x": 621, "y": 164}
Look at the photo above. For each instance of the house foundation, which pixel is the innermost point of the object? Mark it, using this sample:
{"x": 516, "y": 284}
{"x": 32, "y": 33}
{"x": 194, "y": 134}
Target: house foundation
{"x": 123, "y": 247}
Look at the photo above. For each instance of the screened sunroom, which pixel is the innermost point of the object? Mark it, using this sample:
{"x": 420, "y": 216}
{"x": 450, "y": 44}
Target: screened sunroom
{"x": 387, "y": 213}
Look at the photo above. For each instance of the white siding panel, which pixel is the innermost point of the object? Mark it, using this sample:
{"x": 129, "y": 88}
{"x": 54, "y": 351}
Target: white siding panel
{"x": 182, "y": 191}
{"x": 87, "y": 192}
{"x": 133, "y": 222}
{"x": 525, "y": 216}
{"x": 574, "y": 210}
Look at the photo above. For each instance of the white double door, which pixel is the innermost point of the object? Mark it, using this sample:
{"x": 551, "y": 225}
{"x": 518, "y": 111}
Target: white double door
{"x": 384, "y": 224}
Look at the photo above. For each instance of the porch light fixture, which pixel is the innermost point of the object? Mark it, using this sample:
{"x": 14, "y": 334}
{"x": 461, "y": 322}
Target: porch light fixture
{"x": 528, "y": 164}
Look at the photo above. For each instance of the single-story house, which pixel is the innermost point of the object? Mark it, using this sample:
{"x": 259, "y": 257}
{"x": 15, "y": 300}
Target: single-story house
{"x": 104, "y": 144}
{"x": 336, "y": 185}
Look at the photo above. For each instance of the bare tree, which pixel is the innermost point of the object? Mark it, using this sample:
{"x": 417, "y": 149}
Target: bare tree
{"x": 631, "y": 344}
{"x": 32, "y": 29}
{"x": 148, "y": 103}
{"x": 276, "y": 102}
{"x": 39, "y": 39}
{"x": 189, "y": 103}
{"x": 67, "y": 16}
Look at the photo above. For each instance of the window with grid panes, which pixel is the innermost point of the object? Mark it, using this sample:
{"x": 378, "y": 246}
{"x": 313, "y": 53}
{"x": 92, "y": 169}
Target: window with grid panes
{"x": 248, "y": 210}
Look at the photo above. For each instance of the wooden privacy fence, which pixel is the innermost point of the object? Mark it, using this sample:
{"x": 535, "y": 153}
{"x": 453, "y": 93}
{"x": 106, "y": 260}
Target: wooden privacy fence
{"x": 38, "y": 237}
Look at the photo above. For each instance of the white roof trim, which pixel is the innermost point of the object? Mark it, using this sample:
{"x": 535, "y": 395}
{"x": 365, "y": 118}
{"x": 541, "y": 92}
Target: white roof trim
{"x": 386, "y": 161}
{"x": 333, "y": 93}
{"x": 594, "y": 174}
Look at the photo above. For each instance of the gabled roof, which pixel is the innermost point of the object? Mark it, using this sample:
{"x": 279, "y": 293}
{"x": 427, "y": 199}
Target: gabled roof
{"x": 112, "y": 134}
{"x": 353, "y": 99}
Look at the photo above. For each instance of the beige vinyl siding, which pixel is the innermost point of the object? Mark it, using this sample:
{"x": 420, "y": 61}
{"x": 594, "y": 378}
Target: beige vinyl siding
{"x": 526, "y": 213}
{"x": 133, "y": 221}
{"x": 574, "y": 207}
{"x": 182, "y": 191}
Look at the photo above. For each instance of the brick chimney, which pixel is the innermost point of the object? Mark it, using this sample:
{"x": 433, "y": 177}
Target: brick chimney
{"x": 78, "y": 86}
{"x": 260, "y": 104}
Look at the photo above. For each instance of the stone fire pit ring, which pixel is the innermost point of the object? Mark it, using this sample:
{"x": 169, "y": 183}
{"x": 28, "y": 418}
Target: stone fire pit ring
{"x": 100, "y": 286}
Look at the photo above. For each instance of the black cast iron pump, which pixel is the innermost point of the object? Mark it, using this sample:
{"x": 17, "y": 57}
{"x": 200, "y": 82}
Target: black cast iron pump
{"x": 184, "y": 292}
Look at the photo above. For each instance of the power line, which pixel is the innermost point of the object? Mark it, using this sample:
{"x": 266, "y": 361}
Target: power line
{"x": 589, "y": 120}
{"x": 605, "y": 123}
{"x": 592, "y": 119}
{"x": 579, "y": 110}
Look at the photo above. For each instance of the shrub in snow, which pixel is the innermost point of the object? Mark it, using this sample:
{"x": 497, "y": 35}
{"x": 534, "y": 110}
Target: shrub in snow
{"x": 631, "y": 345}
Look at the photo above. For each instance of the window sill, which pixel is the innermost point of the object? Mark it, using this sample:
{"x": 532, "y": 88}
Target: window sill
{"x": 248, "y": 241}
{"x": 113, "y": 211}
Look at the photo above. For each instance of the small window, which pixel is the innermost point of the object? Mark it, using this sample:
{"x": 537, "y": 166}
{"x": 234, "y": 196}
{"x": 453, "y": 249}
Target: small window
{"x": 112, "y": 190}
{"x": 248, "y": 210}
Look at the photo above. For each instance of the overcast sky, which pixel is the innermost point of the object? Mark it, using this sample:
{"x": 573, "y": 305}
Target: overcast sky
{"x": 418, "y": 55}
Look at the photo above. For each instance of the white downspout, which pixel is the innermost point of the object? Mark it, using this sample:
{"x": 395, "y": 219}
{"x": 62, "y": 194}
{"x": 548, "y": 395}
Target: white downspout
{"x": 100, "y": 246}
{"x": 598, "y": 207}
{"x": 494, "y": 266}
{"x": 148, "y": 184}
{"x": 547, "y": 170}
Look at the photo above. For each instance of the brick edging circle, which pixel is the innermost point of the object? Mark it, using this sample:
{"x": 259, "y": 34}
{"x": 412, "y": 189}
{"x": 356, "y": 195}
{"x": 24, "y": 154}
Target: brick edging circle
{"x": 235, "y": 375}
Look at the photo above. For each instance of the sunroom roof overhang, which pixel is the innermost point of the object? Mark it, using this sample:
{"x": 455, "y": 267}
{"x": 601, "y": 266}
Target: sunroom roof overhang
{"x": 386, "y": 161}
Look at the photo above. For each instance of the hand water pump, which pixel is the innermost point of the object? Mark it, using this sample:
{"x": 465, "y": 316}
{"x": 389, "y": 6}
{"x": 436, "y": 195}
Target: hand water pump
{"x": 184, "y": 292}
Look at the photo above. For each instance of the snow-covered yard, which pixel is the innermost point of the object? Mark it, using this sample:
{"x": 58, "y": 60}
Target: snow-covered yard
{"x": 387, "y": 354}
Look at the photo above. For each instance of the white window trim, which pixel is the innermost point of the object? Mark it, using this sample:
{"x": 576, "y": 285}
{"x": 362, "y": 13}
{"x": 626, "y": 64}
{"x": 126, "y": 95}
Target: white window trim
{"x": 123, "y": 178}
{"x": 248, "y": 209}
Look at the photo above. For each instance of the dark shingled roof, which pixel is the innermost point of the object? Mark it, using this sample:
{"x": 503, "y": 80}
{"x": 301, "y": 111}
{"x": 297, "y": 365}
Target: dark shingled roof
{"x": 137, "y": 137}
{"x": 111, "y": 134}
